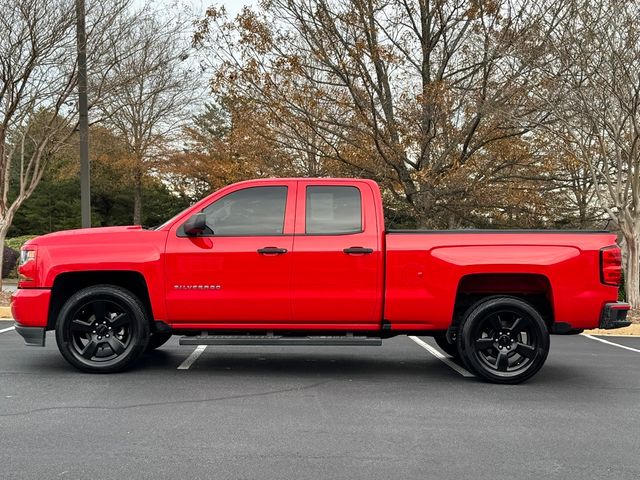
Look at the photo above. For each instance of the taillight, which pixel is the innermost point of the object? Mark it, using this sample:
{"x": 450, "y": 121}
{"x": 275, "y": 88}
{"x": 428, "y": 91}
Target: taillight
{"x": 611, "y": 265}
{"x": 27, "y": 267}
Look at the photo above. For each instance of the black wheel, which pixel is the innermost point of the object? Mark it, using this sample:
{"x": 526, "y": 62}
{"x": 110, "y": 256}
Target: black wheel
{"x": 448, "y": 348}
{"x": 503, "y": 340}
{"x": 102, "y": 329}
{"x": 158, "y": 339}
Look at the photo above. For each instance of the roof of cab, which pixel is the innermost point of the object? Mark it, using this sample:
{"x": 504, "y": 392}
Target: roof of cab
{"x": 305, "y": 179}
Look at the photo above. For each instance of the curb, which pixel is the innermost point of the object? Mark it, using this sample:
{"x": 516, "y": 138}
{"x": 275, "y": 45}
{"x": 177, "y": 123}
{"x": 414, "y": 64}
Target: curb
{"x": 632, "y": 330}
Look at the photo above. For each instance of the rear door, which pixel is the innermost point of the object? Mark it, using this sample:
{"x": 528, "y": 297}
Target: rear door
{"x": 337, "y": 258}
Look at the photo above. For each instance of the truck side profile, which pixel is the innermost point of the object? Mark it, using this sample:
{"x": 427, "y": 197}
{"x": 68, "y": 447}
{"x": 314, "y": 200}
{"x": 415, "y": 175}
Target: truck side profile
{"x": 308, "y": 261}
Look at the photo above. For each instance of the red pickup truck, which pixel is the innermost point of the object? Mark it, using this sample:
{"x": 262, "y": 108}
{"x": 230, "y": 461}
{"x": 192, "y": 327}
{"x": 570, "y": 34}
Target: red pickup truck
{"x": 309, "y": 262}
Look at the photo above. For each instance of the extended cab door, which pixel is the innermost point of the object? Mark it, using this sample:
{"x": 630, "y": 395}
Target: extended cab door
{"x": 238, "y": 272}
{"x": 337, "y": 256}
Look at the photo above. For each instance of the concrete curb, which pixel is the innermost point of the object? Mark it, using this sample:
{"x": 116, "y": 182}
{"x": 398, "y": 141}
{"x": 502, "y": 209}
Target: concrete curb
{"x": 632, "y": 330}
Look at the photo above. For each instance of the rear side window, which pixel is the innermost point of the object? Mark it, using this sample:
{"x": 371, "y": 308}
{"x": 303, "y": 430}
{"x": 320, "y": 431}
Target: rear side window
{"x": 251, "y": 211}
{"x": 333, "y": 210}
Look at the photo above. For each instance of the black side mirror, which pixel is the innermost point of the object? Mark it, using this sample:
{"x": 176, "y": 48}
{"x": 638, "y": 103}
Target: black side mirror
{"x": 196, "y": 224}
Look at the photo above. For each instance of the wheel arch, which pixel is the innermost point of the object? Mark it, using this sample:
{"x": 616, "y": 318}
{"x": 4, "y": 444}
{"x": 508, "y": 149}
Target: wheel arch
{"x": 533, "y": 288}
{"x": 68, "y": 283}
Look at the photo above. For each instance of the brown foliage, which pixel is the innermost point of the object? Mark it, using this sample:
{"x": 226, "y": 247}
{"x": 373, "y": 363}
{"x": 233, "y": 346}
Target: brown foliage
{"x": 421, "y": 96}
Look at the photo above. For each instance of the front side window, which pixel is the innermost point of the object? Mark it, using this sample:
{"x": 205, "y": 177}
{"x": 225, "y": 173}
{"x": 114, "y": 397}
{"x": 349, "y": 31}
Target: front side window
{"x": 251, "y": 211}
{"x": 333, "y": 210}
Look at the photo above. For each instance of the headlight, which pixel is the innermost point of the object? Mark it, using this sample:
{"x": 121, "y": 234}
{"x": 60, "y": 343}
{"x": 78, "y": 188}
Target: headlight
{"x": 27, "y": 267}
{"x": 26, "y": 255}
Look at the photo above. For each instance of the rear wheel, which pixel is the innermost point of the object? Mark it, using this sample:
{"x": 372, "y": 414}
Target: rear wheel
{"x": 102, "y": 329}
{"x": 446, "y": 346}
{"x": 503, "y": 340}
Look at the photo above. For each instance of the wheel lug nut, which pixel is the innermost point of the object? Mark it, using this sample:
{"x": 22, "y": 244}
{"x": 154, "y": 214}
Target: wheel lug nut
{"x": 500, "y": 347}
{"x": 100, "y": 338}
{"x": 94, "y": 331}
{"x": 108, "y": 337}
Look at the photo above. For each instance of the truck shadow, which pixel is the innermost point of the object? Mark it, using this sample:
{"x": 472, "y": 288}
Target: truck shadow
{"x": 305, "y": 364}
{"x": 340, "y": 366}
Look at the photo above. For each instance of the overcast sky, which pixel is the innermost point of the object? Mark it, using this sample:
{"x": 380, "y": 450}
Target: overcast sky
{"x": 199, "y": 6}
{"x": 233, "y": 6}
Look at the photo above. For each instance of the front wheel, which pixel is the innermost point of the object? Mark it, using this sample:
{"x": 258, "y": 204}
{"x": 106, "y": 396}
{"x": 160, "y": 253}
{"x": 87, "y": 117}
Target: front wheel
{"x": 102, "y": 329}
{"x": 503, "y": 340}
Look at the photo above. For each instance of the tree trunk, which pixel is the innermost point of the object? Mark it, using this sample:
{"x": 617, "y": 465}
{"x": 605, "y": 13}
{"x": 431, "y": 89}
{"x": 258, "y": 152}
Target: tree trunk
{"x": 4, "y": 228}
{"x": 632, "y": 270}
{"x": 137, "y": 199}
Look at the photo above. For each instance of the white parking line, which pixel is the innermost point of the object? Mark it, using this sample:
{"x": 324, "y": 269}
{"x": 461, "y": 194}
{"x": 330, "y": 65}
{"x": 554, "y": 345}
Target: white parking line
{"x": 610, "y": 343}
{"x": 7, "y": 329}
{"x": 192, "y": 358}
{"x": 443, "y": 358}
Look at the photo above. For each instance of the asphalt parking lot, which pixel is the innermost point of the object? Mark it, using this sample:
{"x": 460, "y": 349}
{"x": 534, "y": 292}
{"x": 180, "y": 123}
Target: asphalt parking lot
{"x": 387, "y": 412}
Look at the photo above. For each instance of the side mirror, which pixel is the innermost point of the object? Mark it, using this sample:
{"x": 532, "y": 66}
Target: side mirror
{"x": 196, "y": 224}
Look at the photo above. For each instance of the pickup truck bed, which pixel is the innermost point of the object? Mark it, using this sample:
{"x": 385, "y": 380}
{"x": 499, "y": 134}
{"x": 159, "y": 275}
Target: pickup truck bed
{"x": 305, "y": 259}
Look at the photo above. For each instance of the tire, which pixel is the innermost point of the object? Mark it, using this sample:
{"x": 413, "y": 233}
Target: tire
{"x": 503, "y": 340}
{"x": 448, "y": 348}
{"x": 158, "y": 339}
{"x": 102, "y": 329}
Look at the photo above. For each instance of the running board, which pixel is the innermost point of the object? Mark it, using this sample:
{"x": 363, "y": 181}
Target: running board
{"x": 240, "y": 340}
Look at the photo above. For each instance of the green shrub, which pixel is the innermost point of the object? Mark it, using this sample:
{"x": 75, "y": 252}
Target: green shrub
{"x": 622, "y": 292}
{"x": 11, "y": 255}
{"x": 17, "y": 242}
{"x": 9, "y": 261}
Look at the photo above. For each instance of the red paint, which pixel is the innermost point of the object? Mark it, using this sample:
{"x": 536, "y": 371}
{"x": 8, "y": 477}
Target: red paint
{"x": 30, "y": 306}
{"x": 411, "y": 280}
{"x": 329, "y": 286}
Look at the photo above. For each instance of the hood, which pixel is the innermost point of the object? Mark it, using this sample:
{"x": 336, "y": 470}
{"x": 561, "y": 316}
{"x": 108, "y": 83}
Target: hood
{"x": 85, "y": 234}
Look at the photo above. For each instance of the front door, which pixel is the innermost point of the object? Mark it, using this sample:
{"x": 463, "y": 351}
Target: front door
{"x": 239, "y": 270}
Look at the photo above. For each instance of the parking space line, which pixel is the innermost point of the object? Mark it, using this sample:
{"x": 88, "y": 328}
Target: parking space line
{"x": 7, "y": 329}
{"x": 192, "y": 358}
{"x": 443, "y": 358}
{"x": 610, "y": 343}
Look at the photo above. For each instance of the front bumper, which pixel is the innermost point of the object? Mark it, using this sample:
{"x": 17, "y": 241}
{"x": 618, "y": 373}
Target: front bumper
{"x": 30, "y": 310}
{"x": 30, "y": 306}
{"x": 614, "y": 315}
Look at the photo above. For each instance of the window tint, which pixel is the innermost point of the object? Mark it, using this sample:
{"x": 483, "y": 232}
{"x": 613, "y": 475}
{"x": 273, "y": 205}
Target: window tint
{"x": 251, "y": 211}
{"x": 333, "y": 210}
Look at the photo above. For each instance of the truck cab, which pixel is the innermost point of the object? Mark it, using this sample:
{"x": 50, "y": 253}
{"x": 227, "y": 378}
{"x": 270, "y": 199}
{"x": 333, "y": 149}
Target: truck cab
{"x": 307, "y": 253}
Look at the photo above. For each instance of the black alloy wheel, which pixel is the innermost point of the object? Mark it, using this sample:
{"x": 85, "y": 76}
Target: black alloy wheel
{"x": 503, "y": 340}
{"x": 102, "y": 328}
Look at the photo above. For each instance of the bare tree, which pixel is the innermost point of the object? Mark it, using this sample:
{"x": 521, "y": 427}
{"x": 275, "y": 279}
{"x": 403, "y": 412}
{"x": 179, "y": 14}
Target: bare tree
{"x": 403, "y": 91}
{"x": 150, "y": 110}
{"x": 596, "y": 105}
{"x": 38, "y": 76}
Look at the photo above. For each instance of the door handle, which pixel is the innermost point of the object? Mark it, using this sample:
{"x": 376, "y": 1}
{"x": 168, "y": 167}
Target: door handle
{"x": 272, "y": 251}
{"x": 357, "y": 251}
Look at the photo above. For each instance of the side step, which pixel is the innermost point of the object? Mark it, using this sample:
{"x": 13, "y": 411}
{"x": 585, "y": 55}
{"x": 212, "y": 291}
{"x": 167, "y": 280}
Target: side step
{"x": 239, "y": 340}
